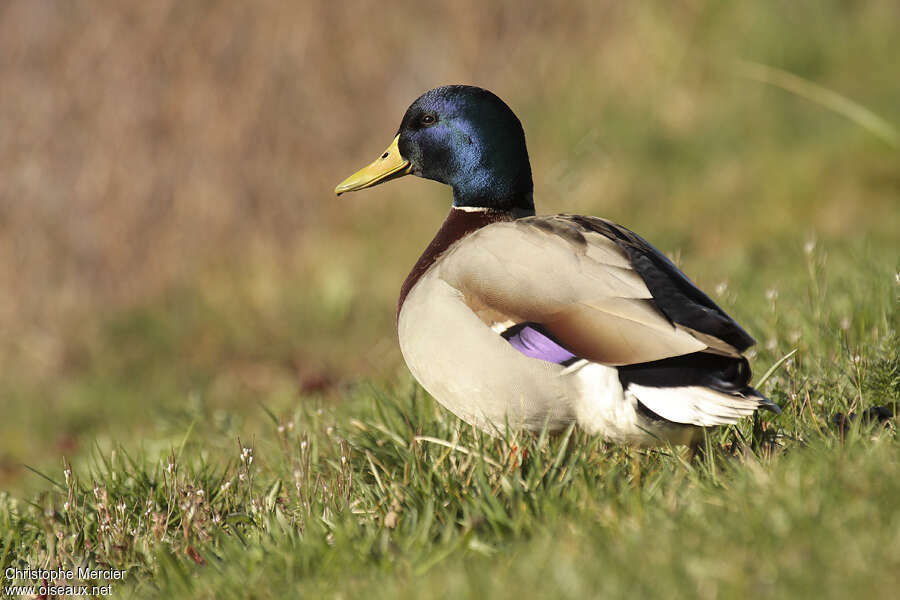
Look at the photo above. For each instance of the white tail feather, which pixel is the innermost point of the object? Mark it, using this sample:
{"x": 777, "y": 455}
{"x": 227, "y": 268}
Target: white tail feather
{"x": 695, "y": 405}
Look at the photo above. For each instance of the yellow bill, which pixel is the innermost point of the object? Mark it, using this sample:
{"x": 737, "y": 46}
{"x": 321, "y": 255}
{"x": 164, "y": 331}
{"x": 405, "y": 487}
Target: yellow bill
{"x": 387, "y": 166}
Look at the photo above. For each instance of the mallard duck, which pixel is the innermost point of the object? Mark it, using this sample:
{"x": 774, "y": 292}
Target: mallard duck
{"x": 514, "y": 320}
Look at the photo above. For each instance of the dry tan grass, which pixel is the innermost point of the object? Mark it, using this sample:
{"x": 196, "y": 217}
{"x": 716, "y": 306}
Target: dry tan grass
{"x": 143, "y": 142}
{"x": 140, "y": 141}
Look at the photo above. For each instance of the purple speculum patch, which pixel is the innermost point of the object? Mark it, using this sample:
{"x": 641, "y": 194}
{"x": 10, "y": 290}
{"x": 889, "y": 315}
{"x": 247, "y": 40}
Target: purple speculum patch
{"x": 533, "y": 343}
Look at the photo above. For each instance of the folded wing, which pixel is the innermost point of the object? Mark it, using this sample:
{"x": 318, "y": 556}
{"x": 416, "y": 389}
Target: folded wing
{"x": 600, "y": 290}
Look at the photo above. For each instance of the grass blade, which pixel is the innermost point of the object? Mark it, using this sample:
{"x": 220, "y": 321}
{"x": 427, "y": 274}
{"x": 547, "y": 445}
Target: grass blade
{"x": 822, "y": 96}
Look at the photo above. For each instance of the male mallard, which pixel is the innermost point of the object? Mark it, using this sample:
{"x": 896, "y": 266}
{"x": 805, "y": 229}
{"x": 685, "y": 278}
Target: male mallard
{"x": 509, "y": 319}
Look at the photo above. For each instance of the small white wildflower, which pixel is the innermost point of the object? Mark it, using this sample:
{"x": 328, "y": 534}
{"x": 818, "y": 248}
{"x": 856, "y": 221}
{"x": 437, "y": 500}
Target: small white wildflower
{"x": 329, "y": 430}
{"x": 809, "y": 246}
{"x": 241, "y": 477}
{"x": 170, "y": 468}
{"x": 225, "y": 485}
{"x": 66, "y": 506}
{"x": 343, "y": 460}
{"x": 819, "y": 402}
{"x": 845, "y": 323}
{"x": 68, "y": 473}
{"x": 121, "y": 506}
{"x": 771, "y": 294}
{"x": 216, "y": 518}
{"x": 303, "y": 445}
{"x": 721, "y": 289}
{"x": 772, "y": 344}
{"x": 897, "y": 277}
{"x": 856, "y": 358}
{"x": 199, "y": 493}
{"x": 281, "y": 429}
{"x": 290, "y": 425}
{"x": 96, "y": 491}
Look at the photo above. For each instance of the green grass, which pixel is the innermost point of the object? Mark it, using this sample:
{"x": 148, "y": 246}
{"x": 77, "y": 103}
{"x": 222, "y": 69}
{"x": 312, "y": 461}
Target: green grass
{"x": 385, "y": 494}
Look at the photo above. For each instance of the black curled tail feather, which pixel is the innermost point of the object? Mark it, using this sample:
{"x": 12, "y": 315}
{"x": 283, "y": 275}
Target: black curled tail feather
{"x": 764, "y": 401}
{"x": 726, "y": 374}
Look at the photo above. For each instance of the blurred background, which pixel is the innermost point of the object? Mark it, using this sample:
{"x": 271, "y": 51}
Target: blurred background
{"x": 172, "y": 252}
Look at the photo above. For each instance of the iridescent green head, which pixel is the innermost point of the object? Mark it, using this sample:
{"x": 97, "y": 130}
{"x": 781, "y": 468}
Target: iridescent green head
{"x": 465, "y": 137}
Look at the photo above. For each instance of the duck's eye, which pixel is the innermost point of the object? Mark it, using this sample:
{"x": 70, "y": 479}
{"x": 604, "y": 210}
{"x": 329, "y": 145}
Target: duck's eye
{"x": 428, "y": 120}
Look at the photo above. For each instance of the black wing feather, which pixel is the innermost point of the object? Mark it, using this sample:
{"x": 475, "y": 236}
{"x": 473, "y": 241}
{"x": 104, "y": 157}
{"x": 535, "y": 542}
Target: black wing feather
{"x": 675, "y": 295}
